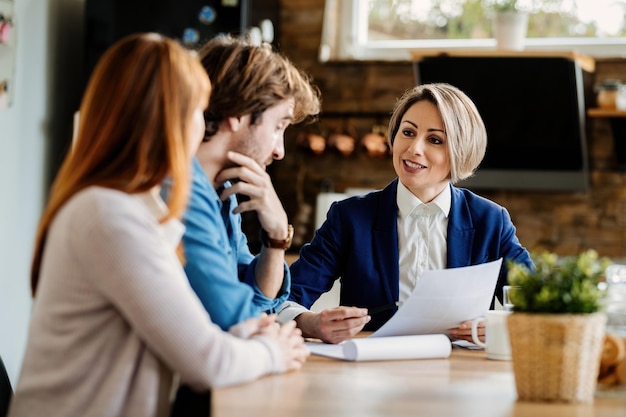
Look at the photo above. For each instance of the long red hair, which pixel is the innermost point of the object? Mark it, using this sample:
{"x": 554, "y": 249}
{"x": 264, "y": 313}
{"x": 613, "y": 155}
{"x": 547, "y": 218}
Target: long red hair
{"x": 132, "y": 131}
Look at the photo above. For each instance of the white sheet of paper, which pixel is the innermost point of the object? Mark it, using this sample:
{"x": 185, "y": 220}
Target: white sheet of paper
{"x": 429, "y": 346}
{"x": 443, "y": 299}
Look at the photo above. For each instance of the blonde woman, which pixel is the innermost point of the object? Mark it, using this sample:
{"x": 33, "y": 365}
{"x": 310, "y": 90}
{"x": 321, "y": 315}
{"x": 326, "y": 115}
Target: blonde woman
{"x": 380, "y": 243}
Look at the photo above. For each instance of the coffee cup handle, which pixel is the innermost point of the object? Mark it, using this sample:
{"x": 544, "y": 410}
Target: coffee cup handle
{"x": 475, "y": 339}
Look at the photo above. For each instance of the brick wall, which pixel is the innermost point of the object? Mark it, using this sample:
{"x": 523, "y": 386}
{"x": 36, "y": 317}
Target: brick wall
{"x": 357, "y": 95}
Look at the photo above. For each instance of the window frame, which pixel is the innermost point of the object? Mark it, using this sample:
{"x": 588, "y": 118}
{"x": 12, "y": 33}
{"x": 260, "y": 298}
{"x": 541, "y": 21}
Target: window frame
{"x": 344, "y": 37}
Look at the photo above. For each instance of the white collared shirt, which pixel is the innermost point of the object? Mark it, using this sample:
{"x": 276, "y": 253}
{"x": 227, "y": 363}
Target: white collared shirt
{"x": 422, "y": 236}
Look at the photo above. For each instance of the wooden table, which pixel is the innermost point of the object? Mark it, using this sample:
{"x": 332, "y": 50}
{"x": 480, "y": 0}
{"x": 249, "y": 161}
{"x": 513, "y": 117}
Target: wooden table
{"x": 465, "y": 385}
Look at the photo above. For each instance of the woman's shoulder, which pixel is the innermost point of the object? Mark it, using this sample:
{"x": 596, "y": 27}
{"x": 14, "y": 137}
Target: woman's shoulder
{"x": 105, "y": 206}
{"x": 470, "y": 210}
{"x": 102, "y": 199}
{"x": 357, "y": 207}
{"x": 475, "y": 202}
{"x": 369, "y": 197}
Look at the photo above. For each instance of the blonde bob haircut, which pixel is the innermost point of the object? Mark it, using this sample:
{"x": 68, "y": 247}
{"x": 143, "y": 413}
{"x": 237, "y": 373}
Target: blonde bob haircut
{"x": 465, "y": 130}
{"x": 134, "y": 119}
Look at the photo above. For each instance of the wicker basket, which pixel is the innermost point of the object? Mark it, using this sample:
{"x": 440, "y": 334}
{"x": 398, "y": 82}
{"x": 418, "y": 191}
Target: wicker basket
{"x": 556, "y": 357}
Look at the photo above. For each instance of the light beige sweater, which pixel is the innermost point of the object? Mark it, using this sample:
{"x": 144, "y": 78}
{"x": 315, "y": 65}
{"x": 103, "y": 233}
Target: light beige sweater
{"x": 115, "y": 318}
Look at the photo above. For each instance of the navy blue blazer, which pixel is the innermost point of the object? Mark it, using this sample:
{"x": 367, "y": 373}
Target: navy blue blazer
{"x": 358, "y": 244}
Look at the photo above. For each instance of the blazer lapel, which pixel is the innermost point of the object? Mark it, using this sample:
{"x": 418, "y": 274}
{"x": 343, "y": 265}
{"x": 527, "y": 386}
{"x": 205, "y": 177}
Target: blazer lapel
{"x": 460, "y": 231}
{"x": 386, "y": 240}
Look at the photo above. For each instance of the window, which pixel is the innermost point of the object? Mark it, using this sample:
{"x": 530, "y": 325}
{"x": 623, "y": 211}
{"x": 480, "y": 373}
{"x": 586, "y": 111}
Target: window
{"x": 389, "y": 29}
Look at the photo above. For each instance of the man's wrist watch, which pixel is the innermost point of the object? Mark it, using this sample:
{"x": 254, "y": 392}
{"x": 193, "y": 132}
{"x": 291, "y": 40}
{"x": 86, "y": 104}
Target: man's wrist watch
{"x": 284, "y": 244}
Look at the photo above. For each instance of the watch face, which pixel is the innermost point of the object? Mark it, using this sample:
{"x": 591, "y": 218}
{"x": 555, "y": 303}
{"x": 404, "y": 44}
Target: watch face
{"x": 289, "y": 236}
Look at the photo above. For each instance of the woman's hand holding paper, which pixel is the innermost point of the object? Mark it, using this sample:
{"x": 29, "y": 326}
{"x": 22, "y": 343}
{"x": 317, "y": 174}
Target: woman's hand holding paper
{"x": 464, "y": 331}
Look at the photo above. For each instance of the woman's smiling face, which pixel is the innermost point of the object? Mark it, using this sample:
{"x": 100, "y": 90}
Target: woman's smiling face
{"x": 420, "y": 151}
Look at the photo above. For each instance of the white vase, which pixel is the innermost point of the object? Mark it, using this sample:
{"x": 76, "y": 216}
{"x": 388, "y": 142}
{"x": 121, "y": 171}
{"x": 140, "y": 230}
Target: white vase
{"x": 510, "y": 30}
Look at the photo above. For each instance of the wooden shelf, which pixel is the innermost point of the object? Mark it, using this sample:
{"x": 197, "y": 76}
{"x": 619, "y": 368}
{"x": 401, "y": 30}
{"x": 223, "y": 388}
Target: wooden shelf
{"x": 586, "y": 62}
{"x": 598, "y": 112}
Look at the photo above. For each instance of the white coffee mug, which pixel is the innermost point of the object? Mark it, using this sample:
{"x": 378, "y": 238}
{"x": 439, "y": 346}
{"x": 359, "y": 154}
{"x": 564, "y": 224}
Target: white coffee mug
{"x": 496, "y": 334}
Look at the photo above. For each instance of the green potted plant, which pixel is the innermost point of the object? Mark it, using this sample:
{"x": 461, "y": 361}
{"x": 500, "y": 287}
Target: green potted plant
{"x": 505, "y": 6}
{"x": 557, "y": 327}
{"x": 509, "y": 25}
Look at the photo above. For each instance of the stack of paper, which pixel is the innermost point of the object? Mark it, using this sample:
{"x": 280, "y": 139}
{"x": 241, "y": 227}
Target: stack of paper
{"x": 429, "y": 346}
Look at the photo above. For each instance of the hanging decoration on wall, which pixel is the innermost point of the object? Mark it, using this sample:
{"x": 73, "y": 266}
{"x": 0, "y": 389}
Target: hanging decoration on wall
{"x": 375, "y": 142}
{"x": 267, "y": 30}
{"x": 7, "y": 53}
{"x": 4, "y": 94}
{"x": 343, "y": 140}
{"x": 207, "y": 15}
{"x": 6, "y": 24}
{"x": 311, "y": 141}
{"x": 191, "y": 36}
{"x": 255, "y": 36}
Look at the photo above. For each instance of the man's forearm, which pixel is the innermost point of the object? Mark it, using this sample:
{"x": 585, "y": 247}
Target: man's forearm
{"x": 270, "y": 271}
{"x": 306, "y": 322}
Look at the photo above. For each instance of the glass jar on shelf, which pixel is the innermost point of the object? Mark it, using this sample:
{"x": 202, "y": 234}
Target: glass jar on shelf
{"x": 620, "y": 99}
{"x": 607, "y": 92}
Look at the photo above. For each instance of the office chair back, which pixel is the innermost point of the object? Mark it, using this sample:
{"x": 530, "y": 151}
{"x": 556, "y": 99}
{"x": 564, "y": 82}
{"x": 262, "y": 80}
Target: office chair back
{"x": 6, "y": 391}
{"x": 191, "y": 403}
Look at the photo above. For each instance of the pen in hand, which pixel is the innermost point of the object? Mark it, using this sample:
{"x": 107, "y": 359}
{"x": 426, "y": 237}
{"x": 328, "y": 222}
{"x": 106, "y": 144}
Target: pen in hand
{"x": 382, "y": 308}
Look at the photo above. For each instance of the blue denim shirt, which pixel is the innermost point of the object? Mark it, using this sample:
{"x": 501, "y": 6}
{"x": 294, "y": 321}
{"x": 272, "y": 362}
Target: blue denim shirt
{"x": 219, "y": 265}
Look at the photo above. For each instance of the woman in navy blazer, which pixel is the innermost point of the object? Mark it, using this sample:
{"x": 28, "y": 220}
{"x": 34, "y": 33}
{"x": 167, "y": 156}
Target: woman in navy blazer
{"x": 437, "y": 138}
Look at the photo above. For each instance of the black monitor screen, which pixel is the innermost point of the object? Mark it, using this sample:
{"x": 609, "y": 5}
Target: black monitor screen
{"x": 534, "y": 112}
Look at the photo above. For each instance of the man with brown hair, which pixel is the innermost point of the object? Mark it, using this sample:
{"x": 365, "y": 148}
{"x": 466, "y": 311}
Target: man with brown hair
{"x": 257, "y": 93}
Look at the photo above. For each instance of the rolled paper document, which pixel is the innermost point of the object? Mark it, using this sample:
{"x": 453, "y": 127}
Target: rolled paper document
{"x": 428, "y": 346}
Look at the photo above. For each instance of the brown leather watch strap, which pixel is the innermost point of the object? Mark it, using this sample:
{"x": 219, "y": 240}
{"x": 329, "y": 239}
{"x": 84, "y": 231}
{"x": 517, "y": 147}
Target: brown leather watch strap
{"x": 284, "y": 244}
